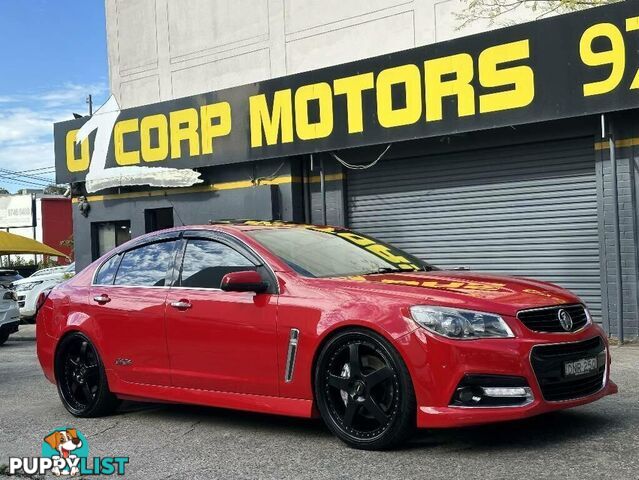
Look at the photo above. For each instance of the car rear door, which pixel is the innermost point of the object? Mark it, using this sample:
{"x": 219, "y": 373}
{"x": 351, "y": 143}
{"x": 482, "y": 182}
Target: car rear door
{"x": 223, "y": 341}
{"x": 128, "y": 298}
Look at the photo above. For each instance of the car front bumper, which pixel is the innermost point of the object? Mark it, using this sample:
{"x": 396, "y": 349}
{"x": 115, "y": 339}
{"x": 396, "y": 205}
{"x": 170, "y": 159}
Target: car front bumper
{"x": 438, "y": 365}
{"x": 9, "y": 314}
{"x": 9, "y": 327}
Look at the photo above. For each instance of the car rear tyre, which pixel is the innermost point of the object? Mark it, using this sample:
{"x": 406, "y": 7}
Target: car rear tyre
{"x": 81, "y": 380}
{"x": 364, "y": 392}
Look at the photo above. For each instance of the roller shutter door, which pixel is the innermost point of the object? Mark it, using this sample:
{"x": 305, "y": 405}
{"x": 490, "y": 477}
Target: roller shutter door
{"x": 527, "y": 210}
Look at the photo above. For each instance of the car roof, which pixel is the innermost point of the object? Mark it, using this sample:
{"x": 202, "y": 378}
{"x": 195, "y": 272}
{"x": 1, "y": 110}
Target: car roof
{"x": 231, "y": 226}
{"x": 248, "y": 225}
{"x": 225, "y": 226}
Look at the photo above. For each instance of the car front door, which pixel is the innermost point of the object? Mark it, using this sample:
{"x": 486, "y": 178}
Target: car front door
{"x": 129, "y": 295}
{"x": 223, "y": 341}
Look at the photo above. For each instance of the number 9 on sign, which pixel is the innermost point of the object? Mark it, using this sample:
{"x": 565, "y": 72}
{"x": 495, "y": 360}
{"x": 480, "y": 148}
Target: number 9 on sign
{"x": 614, "y": 55}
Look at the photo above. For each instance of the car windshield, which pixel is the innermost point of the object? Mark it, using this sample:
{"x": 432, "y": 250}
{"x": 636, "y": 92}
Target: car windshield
{"x": 330, "y": 252}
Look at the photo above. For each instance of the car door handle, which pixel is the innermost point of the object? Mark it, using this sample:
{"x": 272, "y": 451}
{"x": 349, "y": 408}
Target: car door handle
{"x": 102, "y": 299}
{"x": 181, "y": 305}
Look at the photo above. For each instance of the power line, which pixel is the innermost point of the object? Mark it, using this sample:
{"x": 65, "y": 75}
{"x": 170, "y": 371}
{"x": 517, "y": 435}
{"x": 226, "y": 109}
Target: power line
{"x": 19, "y": 174}
{"x": 33, "y": 170}
{"x": 19, "y": 181}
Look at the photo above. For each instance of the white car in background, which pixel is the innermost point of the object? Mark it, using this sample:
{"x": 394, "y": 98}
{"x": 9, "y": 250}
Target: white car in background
{"x": 9, "y": 313}
{"x": 29, "y": 289}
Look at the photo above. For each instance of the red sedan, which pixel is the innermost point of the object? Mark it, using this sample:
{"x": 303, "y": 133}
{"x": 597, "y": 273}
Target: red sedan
{"x": 303, "y": 320}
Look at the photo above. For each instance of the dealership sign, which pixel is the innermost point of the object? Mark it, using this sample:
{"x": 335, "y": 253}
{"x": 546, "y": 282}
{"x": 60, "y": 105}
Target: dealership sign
{"x": 566, "y": 66}
{"x": 16, "y": 211}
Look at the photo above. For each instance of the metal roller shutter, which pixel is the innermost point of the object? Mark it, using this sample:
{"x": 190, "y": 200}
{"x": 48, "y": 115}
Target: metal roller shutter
{"x": 527, "y": 210}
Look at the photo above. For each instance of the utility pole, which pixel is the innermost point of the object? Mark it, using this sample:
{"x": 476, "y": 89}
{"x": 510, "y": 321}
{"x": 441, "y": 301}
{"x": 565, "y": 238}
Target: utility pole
{"x": 90, "y": 103}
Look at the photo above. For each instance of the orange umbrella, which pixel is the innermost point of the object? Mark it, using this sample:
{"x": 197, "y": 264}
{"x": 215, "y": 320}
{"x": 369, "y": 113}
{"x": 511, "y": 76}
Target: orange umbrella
{"x": 11, "y": 244}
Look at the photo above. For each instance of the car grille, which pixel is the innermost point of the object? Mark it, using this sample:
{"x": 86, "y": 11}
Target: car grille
{"x": 548, "y": 364}
{"x": 21, "y": 300}
{"x": 547, "y": 319}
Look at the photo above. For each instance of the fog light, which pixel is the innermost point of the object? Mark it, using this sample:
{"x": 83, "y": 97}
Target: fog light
{"x": 478, "y": 390}
{"x": 469, "y": 395}
{"x": 504, "y": 392}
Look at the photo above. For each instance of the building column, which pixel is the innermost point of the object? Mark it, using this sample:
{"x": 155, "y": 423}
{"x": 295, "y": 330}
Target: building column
{"x": 625, "y": 132}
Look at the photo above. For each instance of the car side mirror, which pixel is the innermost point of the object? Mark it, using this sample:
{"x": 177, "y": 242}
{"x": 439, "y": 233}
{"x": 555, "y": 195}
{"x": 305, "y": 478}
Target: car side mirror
{"x": 243, "y": 281}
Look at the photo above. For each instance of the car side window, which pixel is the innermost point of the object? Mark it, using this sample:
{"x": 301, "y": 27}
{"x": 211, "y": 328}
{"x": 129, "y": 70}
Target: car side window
{"x": 206, "y": 262}
{"x": 146, "y": 266}
{"x": 106, "y": 274}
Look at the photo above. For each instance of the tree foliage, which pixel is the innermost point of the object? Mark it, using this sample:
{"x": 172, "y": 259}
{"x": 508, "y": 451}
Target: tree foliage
{"x": 502, "y": 12}
{"x": 55, "y": 189}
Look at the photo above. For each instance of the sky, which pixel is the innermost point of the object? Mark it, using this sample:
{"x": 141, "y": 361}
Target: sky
{"x": 52, "y": 55}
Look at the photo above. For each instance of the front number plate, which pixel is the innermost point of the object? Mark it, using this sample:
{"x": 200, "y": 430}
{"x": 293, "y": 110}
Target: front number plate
{"x": 583, "y": 366}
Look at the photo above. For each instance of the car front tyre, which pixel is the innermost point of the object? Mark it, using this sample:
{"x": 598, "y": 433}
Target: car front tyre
{"x": 4, "y": 336}
{"x": 81, "y": 380}
{"x": 364, "y": 391}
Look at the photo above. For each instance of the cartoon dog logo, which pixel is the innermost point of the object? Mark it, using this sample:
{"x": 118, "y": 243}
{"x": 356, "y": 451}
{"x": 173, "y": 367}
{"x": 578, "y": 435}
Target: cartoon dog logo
{"x": 65, "y": 442}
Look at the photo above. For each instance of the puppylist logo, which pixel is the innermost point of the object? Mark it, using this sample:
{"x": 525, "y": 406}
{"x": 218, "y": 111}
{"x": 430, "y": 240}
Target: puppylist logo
{"x": 65, "y": 451}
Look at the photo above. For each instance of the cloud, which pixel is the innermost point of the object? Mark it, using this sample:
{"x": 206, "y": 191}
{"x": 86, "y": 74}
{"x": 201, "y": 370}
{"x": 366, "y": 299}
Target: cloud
{"x": 19, "y": 125}
{"x": 26, "y": 125}
{"x": 71, "y": 93}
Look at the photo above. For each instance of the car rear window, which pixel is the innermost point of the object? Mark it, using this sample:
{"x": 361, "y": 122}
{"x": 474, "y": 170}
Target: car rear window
{"x": 106, "y": 274}
{"x": 146, "y": 266}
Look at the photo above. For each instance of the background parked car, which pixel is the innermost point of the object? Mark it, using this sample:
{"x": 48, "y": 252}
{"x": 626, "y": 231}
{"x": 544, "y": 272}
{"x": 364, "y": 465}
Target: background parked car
{"x": 9, "y": 313}
{"x": 7, "y": 277}
{"x": 28, "y": 289}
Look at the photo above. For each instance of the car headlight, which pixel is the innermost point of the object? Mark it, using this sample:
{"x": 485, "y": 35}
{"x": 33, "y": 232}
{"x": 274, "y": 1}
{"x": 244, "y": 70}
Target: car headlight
{"x": 26, "y": 286}
{"x": 460, "y": 324}
{"x": 10, "y": 295}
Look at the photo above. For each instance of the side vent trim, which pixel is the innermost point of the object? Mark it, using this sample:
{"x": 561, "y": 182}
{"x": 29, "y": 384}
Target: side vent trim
{"x": 292, "y": 352}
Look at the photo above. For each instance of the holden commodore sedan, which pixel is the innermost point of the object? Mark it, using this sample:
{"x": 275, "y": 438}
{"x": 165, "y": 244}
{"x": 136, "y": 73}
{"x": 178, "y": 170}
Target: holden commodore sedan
{"x": 311, "y": 321}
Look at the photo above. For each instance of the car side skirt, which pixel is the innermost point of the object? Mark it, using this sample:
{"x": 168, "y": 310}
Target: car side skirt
{"x": 292, "y": 407}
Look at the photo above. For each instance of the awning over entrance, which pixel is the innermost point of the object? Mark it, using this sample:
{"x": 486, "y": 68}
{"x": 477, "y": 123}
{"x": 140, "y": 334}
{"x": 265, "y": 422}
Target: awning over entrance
{"x": 11, "y": 244}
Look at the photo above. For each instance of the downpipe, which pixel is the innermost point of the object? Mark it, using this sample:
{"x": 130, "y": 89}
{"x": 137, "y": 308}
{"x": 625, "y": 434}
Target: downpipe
{"x": 616, "y": 225}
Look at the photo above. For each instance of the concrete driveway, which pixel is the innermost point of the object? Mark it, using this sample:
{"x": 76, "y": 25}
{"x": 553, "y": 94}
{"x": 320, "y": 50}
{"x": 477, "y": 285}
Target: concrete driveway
{"x": 597, "y": 441}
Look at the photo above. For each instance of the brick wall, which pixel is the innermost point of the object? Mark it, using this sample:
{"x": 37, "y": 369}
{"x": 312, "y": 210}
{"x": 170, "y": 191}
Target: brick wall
{"x": 625, "y": 129}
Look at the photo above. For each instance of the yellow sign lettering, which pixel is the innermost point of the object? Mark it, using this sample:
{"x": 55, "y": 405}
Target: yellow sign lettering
{"x": 353, "y": 87}
{"x": 123, "y": 157}
{"x": 520, "y": 77}
{"x": 320, "y": 92}
{"x": 275, "y": 124}
{"x": 160, "y": 124}
{"x": 615, "y": 56}
{"x": 410, "y": 77}
{"x": 461, "y": 65}
{"x": 184, "y": 127}
{"x": 220, "y": 111}
{"x": 81, "y": 163}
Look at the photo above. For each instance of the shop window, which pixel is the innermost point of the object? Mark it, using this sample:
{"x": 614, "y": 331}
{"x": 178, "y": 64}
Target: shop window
{"x": 158, "y": 219}
{"x": 105, "y": 236}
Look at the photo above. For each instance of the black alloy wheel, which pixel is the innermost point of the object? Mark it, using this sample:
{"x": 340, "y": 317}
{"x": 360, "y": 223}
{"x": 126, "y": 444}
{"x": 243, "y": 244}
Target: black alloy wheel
{"x": 82, "y": 383}
{"x": 364, "y": 391}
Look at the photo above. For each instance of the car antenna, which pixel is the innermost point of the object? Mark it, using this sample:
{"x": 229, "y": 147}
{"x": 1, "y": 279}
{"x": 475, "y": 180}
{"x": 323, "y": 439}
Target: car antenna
{"x": 175, "y": 210}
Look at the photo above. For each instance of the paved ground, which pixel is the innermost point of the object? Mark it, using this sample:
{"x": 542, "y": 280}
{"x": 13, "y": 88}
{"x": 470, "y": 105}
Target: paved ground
{"x": 598, "y": 441}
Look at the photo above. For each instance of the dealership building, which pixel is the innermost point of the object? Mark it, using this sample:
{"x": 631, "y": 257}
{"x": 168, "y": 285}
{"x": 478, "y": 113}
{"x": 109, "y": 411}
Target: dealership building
{"x": 509, "y": 151}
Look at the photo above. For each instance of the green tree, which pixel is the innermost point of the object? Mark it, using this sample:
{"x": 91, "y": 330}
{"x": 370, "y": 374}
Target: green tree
{"x": 503, "y": 11}
{"x": 4, "y": 191}
{"x": 55, "y": 189}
